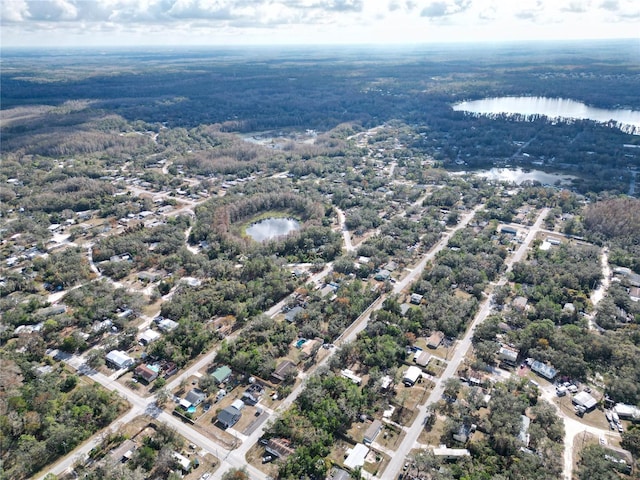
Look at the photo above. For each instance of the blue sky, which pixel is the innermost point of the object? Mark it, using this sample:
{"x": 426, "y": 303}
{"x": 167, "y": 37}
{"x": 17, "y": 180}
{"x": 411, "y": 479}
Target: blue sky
{"x": 238, "y": 22}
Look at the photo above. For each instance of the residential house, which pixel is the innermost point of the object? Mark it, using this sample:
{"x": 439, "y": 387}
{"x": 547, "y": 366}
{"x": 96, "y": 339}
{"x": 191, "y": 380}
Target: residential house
{"x": 464, "y": 432}
{"x": 546, "y": 371}
{"x": 508, "y": 230}
{"x": 148, "y": 336}
{"x": 520, "y": 303}
{"x": 195, "y": 397}
{"x": 372, "y": 432}
{"x": 221, "y": 374}
{"x": 51, "y": 311}
{"x": 411, "y": 376}
{"x": 382, "y": 275}
{"x": 385, "y": 383}
{"x": 447, "y": 453}
{"x": 167, "y": 325}
{"x": 523, "y": 434}
{"x": 119, "y": 359}
{"x": 338, "y": 474}
{"x": 356, "y": 456}
{"x": 291, "y": 315}
{"x": 423, "y": 358}
{"x": 282, "y": 369}
{"x": 249, "y": 398}
{"x": 145, "y": 373}
{"x": 627, "y": 412}
{"x": 229, "y": 416}
{"x": 350, "y": 375}
{"x": 124, "y": 452}
{"x": 416, "y": 298}
{"x": 280, "y": 447}
{"x": 435, "y": 339}
{"x": 508, "y": 355}
{"x": 183, "y": 462}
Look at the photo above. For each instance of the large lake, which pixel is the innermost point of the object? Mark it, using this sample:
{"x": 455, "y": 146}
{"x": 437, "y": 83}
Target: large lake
{"x": 519, "y": 176}
{"x": 553, "y": 108}
{"x": 271, "y": 228}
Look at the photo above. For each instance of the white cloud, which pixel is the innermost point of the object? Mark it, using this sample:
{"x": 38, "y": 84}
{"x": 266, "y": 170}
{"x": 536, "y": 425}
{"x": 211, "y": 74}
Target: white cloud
{"x": 311, "y": 21}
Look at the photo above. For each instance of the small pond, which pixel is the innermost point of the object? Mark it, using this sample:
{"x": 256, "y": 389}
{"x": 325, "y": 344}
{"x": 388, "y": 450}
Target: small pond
{"x": 271, "y": 228}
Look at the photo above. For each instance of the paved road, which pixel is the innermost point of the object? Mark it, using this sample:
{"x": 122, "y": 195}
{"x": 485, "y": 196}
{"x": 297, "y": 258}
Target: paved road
{"x": 461, "y": 349}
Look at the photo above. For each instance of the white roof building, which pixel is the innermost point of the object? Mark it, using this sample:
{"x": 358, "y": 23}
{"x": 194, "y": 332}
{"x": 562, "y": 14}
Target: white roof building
{"x": 119, "y": 359}
{"x": 450, "y": 453}
{"x": 355, "y": 456}
{"x": 346, "y": 373}
{"x": 411, "y": 375}
{"x": 585, "y": 400}
{"x": 148, "y": 336}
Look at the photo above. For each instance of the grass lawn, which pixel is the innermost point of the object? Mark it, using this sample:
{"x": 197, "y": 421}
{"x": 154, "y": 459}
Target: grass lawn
{"x": 431, "y": 436}
{"x": 254, "y": 458}
{"x": 390, "y": 437}
{"x": 375, "y": 462}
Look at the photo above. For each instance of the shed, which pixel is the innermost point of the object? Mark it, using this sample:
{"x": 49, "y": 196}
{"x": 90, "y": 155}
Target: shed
{"x": 238, "y": 404}
{"x": 119, "y": 359}
{"x": 221, "y": 374}
{"x": 435, "y": 339}
{"x": 585, "y": 400}
{"x": 411, "y": 376}
{"x": 508, "y": 230}
{"x": 355, "y": 456}
{"x": 373, "y": 431}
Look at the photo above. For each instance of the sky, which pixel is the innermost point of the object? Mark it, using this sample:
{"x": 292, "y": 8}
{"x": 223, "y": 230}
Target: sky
{"x": 85, "y": 23}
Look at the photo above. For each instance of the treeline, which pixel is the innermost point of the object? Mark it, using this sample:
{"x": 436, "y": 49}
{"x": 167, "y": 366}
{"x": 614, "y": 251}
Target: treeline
{"x": 616, "y": 221}
{"x": 325, "y": 410}
{"x": 45, "y": 417}
{"x": 263, "y": 341}
{"x": 558, "y": 276}
{"x": 500, "y": 452}
{"x": 62, "y": 270}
